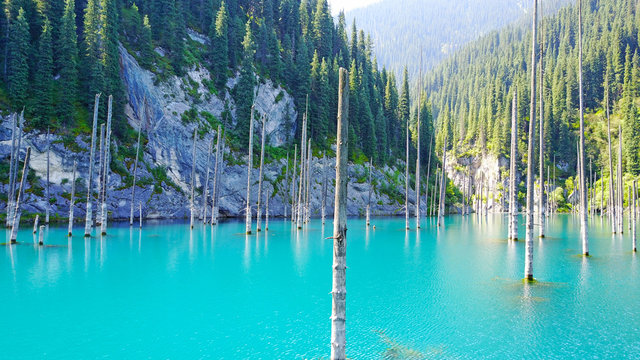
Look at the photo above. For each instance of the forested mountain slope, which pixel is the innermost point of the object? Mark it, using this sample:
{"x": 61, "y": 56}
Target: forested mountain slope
{"x": 471, "y": 92}
{"x": 400, "y": 28}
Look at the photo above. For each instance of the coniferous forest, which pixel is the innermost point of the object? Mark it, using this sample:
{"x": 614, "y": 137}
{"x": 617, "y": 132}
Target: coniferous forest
{"x": 57, "y": 54}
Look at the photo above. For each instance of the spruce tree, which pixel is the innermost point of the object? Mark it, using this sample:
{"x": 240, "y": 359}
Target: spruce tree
{"x": 146, "y": 43}
{"x": 93, "y": 49}
{"x": 43, "y": 84}
{"x": 18, "y": 74}
{"x": 244, "y": 92}
{"x": 113, "y": 82}
{"x": 67, "y": 63}
{"x": 219, "y": 46}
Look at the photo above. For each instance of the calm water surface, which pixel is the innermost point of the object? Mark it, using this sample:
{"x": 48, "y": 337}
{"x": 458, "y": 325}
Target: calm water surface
{"x": 166, "y": 292}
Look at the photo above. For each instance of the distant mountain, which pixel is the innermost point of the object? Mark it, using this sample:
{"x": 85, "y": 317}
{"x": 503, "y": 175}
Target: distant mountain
{"x": 400, "y": 27}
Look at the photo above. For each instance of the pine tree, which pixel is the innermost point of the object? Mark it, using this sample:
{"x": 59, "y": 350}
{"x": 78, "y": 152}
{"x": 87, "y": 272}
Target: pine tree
{"x": 219, "y": 46}
{"x": 44, "y": 79}
{"x": 67, "y": 63}
{"x": 93, "y": 59}
{"x": 146, "y": 43}
{"x": 18, "y": 55}
{"x": 245, "y": 89}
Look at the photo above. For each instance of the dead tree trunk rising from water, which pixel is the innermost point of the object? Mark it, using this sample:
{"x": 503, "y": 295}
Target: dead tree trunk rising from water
{"x": 135, "y": 171}
{"x": 406, "y": 181}
{"x": 71, "y": 200}
{"x": 193, "y": 179}
{"x": 633, "y": 215}
{"x": 214, "y": 191}
{"x": 46, "y": 220}
{"x": 17, "y": 163}
{"x": 100, "y": 167}
{"x": 620, "y": 211}
{"x": 12, "y": 160}
{"x": 368, "y": 214}
{"x": 205, "y": 189}
{"x": 266, "y": 213}
{"x": 249, "y": 168}
{"x": 611, "y": 206}
{"x": 528, "y": 267}
{"x": 324, "y": 187}
{"x": 338, "y": 289}
{"x": 293, "y": 183}
{"x": 303, "y": 151}
{"x": 426, "y": 184}
{"x": 418, "y": 149}
{"x": 513, "y": 206}
{"x": 17, "y": 212}
{"x": 541, "y": 198}
{"x": 259, "y": 217}
{"x": 307, "y": 205}
{"x": 88, "y": 224}
{"x": 285, "y": 193}
{"x": 583, "y": 188}
{"x": 443, "y": 184}
{"x": 106, "y": 170}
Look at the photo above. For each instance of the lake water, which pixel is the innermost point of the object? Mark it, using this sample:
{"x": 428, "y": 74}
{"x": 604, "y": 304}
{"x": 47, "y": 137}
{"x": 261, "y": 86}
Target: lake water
{"x": 166, "y": 292}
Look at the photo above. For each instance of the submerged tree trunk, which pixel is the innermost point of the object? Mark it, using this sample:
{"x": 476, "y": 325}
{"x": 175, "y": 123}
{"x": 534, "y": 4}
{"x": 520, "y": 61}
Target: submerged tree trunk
{"x": 71, "y": 200}
{"x": 106, "y": 170}
{"x": 12, "y": 161}
{"x": 541, "y": 197}
{"x": 528, "y": 267}
{"x": 513, "y": 205}
{"x": 100, "y": 168}
{"x": 620, "y": 211}
{"x": 88, "y": 224}
{"x": 214, "y": 191}
{"x": 426, "y": 184}
{"x": 443, "y": 186}
{"x": 193, "y": 180}
{"x": 17, "y": 211}
{"x": 307, "y": 206}
{"x": 46, "y": 220}
{"x": 266, "y": 214}
{"x": 135, "y": 171}
{"x": 338, "y": 289}
{"x": 303, "y": 151}
{"x": 249, "y": 167}
{"x": 583, "y": 189}
{"x": 633, "y": 215}
{"x": 406, "y": 181}
{"x": 35, "y": 224}
{"x": 259, "y": 217}
{"x": 293, "y": 183}
{"x": 368, "y": 214}
{"x": 611, "y": 206}
{"x": 205, "y": 189}
{"x": 285, "y": 193}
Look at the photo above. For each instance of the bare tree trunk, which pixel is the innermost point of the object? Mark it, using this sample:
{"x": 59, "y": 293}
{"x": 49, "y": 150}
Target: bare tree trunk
{"x": 259, "y": 217}
{"x": 107, "y": 170}
{"x": 324, "y": 187}
{"x": 266, "y": 221}
{"x": 17, "y": 164}
{"x": 249, "y": 167}
{"x": 528, "y": 267}
{"x": 368, "y": 214}
{"x": 541, "y": 197}
{"x": 633, "y": 215}
{"x": 17, "y": 211}
{"x": 35, "y": 224}
{"x": 620, "y": 211}
{"x": 193, "y": 180}
{"x": 205, "y": 189}
{"x": 307, "y": 206}
{"x": 214, "y": 192}
{"x": 338, "y": 290}
{"x": 443, "y": 186}
{"x": 12, "y": 161}
{"x": 293, "y": 184}
{"x": 140, "y": 214}
{"x": 303, "y": 151}
{"x": 88, "y": 224}
{"x": 426, "y": 184}
{"x": 433, "y": 194}
{"x": 418, "y": 148}
{"x": 513, "y": 205}
{"x": 40, "y": 235}
{"x": 406, "y": 181}
{"x": 285, "y": 194}
{"x": 100, "y": 167}
{"x": 71, "y": 201}
{"x": 612, "y": 211}
{"x": 135, "y": 171}
{"x": 46, "y": 220}
{"x": 583, "y": 189}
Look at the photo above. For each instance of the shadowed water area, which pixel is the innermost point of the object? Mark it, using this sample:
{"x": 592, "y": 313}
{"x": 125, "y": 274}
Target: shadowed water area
{"x": 166, "y": 292}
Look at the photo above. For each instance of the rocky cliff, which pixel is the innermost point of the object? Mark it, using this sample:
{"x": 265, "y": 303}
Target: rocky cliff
{"x": 168, "y": 112}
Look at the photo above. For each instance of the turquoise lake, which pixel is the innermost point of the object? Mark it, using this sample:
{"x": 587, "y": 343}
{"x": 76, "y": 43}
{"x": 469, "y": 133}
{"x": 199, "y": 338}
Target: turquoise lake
{"x": 165, "y": 292}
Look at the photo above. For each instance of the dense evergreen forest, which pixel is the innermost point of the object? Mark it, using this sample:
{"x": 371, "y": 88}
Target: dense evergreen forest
{"x": 471, "y": 92}
{"x": 56, "y": 55}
